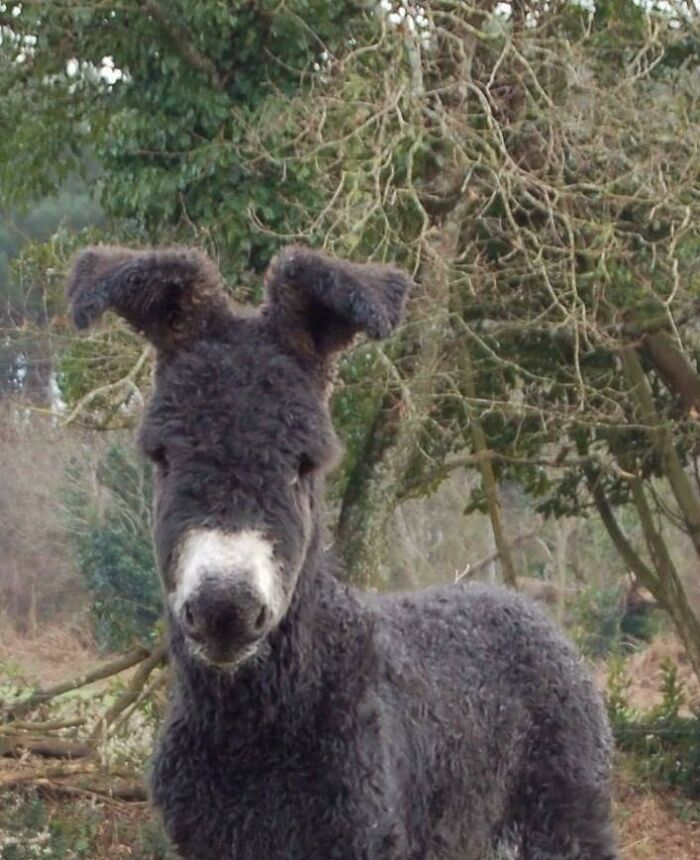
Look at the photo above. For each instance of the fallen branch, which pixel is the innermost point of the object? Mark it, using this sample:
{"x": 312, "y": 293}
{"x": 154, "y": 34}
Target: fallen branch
{"x": 67, "y": 769}
{"x": 472, "y": 569}
{"x": 107, "y": 670}
{"x": 159, "y": 681}
{"x": 43, "y": 727}
{"x": 79, "y": 779}
{"x": 122, "y": 791}
{"x": 132, "y": 692}
{"x": 16, "y": 746}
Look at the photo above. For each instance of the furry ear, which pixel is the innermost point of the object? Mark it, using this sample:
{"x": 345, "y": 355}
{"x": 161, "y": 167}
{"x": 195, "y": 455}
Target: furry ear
{"x": 318, "y": 302}
{"x": 168, "y": 295}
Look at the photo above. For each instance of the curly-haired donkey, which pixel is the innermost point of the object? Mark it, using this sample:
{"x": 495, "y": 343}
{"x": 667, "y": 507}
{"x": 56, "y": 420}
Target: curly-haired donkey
{"x": 309, "y": 721}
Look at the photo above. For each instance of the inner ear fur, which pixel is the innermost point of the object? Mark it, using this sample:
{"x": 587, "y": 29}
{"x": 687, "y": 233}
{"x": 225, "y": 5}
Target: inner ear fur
{"x": 317, "y": 302}
{"x": 168, "y": 295}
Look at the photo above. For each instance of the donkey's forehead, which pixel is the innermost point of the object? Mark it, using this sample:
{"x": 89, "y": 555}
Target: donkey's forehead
{"x": 247, "y": 358}
{"x": 237, "y": 386}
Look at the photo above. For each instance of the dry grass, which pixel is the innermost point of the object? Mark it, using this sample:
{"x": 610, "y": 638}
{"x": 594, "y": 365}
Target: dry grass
{"x": 56, "y": 652}
{"x": 645, "y": 672}
{"x": 652, "y": 825}
{"x": 655, "y": 825}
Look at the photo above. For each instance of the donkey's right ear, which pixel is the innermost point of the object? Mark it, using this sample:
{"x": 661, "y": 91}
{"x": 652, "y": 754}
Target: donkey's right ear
{"x": 168, "y": 295}
{"x": 318, "y": 303}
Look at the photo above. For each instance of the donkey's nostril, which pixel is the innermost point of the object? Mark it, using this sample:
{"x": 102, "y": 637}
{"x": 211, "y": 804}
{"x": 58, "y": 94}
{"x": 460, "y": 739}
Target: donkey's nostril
{"x": 189, "y": 617}
{"x": 262, "y": 619}
{"x": 225, "y": 614}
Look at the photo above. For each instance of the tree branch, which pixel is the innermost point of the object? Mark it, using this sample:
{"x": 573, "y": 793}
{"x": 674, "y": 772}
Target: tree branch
{"x": 114, "y": 667}
{"x": 662, "y": 442}
{"x": 128, "y": 382}
{"x": 488, "y": 478}
{"x": 47, "y": 747}
{"x": 627, "y": 552}
{"x": 472, "y": 569}
{"x": 674, "y": 367}
{"x": 181, "y": 40}
{"x": 131, "y": 694}
{"x": 441, "y": 472}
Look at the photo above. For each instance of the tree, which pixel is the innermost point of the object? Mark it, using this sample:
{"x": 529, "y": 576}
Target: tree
{"x": 169, "y": 110}
{"x": 533, "y": 166}
{"x": 537, "y": 174}
{"x": 176, "y": 103}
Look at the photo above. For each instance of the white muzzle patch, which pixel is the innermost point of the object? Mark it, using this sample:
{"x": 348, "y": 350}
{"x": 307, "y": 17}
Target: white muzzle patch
{"x": 215, "y": 553}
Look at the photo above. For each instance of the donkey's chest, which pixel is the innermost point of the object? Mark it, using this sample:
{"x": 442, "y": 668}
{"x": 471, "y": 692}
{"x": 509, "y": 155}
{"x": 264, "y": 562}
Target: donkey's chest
{"x": 282, "y": 795}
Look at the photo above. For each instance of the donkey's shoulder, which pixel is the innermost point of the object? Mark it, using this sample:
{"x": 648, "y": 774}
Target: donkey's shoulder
{"x": 475, "y": 602}
{"x": 489, "y": 628}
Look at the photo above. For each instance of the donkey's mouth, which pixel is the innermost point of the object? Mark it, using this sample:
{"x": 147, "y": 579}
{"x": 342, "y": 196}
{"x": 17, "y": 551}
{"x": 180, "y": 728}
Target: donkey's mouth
{"x": 223, "y": 658}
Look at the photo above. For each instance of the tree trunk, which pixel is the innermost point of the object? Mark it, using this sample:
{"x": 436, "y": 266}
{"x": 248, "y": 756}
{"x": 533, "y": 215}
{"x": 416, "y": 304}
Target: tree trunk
{"x": 675, "y": 599}
{"x": 677, "y": 372}
{"x": 488, "y": 478}
{"x": 661, "y": 578}
{"x": 370, "y": 497}
{"x": 562, "y": 531}
{"x": 661, "y": 439}
{"x": 373, "y": 488}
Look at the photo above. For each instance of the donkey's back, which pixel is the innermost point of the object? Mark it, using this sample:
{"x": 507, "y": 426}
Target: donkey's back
{"x": 500, "y": 709}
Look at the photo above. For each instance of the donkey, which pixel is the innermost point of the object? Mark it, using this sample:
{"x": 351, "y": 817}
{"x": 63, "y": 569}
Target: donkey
{"x": 309, "y": 721}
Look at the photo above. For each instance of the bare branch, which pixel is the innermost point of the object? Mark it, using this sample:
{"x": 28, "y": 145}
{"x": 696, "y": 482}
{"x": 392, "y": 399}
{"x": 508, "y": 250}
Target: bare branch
{"x": 107, "y": 670}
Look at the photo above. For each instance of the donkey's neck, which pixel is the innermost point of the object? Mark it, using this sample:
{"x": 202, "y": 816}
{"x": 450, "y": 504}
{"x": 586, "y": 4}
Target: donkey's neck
{"x": 286, "y": 680}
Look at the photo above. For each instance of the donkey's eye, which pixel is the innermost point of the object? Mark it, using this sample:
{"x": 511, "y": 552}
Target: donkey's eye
{"x": 159, "y": 456}
{"x": 304, "y": 467}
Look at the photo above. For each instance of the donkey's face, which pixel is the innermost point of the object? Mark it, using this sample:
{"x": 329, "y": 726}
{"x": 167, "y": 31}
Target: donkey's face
{"x": 240, "y": 434}
{"x": 238, "y": 424}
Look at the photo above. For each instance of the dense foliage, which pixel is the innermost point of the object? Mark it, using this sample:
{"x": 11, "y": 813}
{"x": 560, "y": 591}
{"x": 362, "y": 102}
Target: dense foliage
{"x": 109, "y": 517}
{"x": 534, "y": 165}
{"x": 602, "y": 625}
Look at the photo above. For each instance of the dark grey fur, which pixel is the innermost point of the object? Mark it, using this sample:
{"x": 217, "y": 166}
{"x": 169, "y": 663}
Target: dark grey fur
{"x": 440, "y": 724}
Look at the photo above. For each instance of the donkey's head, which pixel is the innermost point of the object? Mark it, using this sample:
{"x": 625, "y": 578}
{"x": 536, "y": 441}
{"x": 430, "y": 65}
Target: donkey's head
{"x": 238, "y": 424}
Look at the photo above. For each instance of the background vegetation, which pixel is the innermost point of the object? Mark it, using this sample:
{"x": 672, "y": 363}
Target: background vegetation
{"x": 534, "y": 165}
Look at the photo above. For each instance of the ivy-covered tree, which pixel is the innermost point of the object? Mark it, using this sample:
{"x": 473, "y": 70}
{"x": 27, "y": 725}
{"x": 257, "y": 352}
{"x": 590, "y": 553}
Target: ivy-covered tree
{"x": 178, "y": 103}
{"x": 169, "y": 110}
{"x": 534, "y": 165}
{"x": 538, "y": 167}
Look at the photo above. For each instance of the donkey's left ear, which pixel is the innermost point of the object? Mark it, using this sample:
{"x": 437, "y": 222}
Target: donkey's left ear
{"x": 317, "y": 303}
{"x": 169, "y": 295}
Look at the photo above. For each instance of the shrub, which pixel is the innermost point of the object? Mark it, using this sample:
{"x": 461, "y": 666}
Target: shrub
{"x": 596, "y": 620}
{"x": 602, "y": 625}
{"x": 109, "y": 515}
{"x": 664, "y": 742}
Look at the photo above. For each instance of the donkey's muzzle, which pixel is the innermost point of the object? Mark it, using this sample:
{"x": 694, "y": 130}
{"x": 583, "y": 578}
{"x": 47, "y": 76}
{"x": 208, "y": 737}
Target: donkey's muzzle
{"x": 225, "y": 616}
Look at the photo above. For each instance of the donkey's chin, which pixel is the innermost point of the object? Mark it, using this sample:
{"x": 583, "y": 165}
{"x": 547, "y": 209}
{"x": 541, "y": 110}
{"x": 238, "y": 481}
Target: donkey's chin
{"x": 228, "y": 659}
